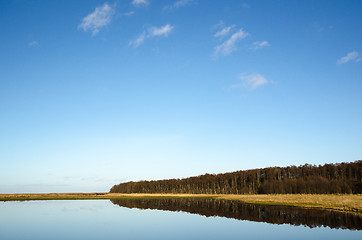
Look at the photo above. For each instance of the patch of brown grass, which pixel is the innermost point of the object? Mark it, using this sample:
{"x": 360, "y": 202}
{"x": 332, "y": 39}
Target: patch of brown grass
{"x": 343, "y": 202}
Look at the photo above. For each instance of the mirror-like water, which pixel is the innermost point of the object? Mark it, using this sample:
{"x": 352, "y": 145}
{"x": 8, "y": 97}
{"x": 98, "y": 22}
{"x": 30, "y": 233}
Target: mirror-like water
{"x": 101, "y": 219}
{"x": 257, "y": 213}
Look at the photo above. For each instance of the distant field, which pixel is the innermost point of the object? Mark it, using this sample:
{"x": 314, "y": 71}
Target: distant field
{"x": 343, "y": 202}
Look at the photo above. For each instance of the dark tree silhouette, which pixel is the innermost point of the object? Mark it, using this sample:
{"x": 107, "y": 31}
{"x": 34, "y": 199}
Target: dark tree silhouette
{"x": 329, "y": 178}
{"x": 252, "y": 212}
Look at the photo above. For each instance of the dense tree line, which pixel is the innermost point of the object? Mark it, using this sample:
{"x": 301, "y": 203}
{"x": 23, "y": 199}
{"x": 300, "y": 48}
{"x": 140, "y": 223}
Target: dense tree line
{"x": 242, "y": 211}
{"x": 329, "y": 178}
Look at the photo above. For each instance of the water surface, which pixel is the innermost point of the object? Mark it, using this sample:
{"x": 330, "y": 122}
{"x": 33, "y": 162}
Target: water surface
{"x": 141, "y": 219}
{"x": 252, "y": 212}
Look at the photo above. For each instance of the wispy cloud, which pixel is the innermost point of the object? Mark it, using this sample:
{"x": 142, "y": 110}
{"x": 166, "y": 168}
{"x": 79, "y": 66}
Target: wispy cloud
{"x": 140, "y": 2}
{"x": 258, "y": 45}
{"x": 129, "y": 13}
{"x": 349, "y": 57}
{"x": 245, "y": 5}
{"x": 98, "y": 19}
{"x": 178, "y": 4}
{"x": 160, "y": 31}
{"x": 228, "y": 46}
{"x": 138, "y": 41}
{"x": 317, "y": 26}
{"x": 223, "y": 32}
{"x": 152, "y": 32}
{"x": 219, "y": 25}
{"x": 251, "y": 81}
{"x": 33, "y": 43}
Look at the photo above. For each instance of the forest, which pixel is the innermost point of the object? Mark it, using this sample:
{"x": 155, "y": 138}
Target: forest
{"x": 305, "y": 179}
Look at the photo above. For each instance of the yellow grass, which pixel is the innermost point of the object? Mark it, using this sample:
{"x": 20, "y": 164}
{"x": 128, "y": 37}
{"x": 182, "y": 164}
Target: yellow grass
{"x": 346, "y": 202}
{"x": 343, "y": 202}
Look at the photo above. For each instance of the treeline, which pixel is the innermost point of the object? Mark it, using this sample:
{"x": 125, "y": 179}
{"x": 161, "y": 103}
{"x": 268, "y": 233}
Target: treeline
{"x": 329, "y": 178}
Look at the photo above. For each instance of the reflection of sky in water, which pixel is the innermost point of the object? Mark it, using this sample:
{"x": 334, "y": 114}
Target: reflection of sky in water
{"x": 100, "y": 219}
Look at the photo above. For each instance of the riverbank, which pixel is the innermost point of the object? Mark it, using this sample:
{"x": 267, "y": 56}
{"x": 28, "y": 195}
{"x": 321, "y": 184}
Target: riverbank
{"x": 343, "y": 202}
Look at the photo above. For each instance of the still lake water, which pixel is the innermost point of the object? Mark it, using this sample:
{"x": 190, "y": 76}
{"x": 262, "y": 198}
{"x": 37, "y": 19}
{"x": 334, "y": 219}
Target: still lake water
{"x": 169, "y": 219}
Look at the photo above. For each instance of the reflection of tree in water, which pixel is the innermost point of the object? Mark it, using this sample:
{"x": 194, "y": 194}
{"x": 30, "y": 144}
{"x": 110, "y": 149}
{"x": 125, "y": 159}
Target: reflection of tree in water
{"x": 257, "y": 213}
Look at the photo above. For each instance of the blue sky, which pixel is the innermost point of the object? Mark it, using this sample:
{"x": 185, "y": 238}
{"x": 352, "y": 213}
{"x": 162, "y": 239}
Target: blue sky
{"x": 94, "y": 93}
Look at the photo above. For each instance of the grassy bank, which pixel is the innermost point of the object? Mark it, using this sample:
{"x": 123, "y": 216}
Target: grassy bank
{"x": 345, "y": 202}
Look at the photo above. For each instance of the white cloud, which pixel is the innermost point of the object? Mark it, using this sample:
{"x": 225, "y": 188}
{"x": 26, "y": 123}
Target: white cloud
{"x": 359, "y": 59}
{"x": 151, "y": 32}
{"x": 245, "y": 5}
{"x": 251, "y": 81}
{"x": 101, "y": 17}
{"x": 138, "y": 41}
{"x": 33, "y": 43}
{"x": 258, "y": 45}
{"x": 228, "y": 46}
{"x": 349, "y": 57}
{"x": 178, "y": 4}
{"x": 129, "y": 13}
{"x": 223, "y": 32}
{"x": 219, "y": 25}
{"x": 161, "y": 31}
{"x": 140, "y": 2}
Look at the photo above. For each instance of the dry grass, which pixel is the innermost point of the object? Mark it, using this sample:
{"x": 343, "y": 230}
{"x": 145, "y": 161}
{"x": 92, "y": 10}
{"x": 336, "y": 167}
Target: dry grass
{"x": 343, "y": 202}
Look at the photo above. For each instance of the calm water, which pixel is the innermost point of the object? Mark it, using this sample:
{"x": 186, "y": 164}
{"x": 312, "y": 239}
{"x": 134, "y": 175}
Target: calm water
{"x": 169, "y": 219}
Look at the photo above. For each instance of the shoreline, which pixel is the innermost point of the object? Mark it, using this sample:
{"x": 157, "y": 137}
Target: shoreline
{"x": 351, "y": 203}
